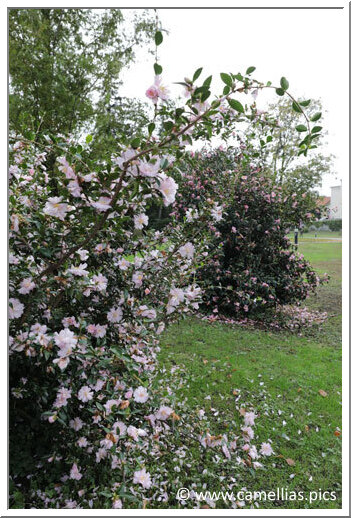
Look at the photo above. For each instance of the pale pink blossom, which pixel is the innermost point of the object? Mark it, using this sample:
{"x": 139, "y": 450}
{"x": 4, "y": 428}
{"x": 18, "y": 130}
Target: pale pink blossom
{"x": 75, "y": 474}
{"x": 141, "y": 395}
{"x": 15, "y": 308}
{"x": 140, "y": 221}
{"x": 115, "y": 315}
{"x": 66, "y": 342}
{"x": 187, "y": 250}
{"x": 157, "y": 91}
{"x": 79, "y": 271}
{"x": 143, "y": 478}
{"x": 266, "y": 449}
{"x": 168, "y": 187}
{"x": 76, "y": 424}
{"x": 62, "y": 396}
{"x": 85, "y": 394}
{"x": 249, "y": 418}
{"x": 123, "y": 264}
{"x": 138, "y": 279}
{"x": 66, "y": 168}
{"x": 27, "y": 285}
{"x": 163, "y": 413}
{"x": 149, "y": 169}
{"x": 102, "y": 204}
{"x": 100, "y": 282}
{"x": 82, "y": 442}
{"x": 55, "y": 208}
{"x": 110, "y": 404}
{"x": 117, "y": 503}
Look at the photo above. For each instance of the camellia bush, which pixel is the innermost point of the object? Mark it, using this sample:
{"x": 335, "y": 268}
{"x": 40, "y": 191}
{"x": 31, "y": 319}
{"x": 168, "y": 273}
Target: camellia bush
{"x": 91, "y": 290}
{"x": 252, "y": 264}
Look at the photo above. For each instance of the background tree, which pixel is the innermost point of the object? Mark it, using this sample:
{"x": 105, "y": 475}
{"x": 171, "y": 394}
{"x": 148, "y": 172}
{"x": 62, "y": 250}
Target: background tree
{"x": 65, "y": 66}
{"x": 274, "y": 141}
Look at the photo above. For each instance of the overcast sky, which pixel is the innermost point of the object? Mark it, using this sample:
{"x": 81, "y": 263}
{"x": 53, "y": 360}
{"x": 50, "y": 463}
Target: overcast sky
{"x": 306, "y": 46}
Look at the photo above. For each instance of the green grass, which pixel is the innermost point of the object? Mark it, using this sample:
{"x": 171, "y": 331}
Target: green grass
{"x": 280, "y": 375}
{"x": 311, "y": 236}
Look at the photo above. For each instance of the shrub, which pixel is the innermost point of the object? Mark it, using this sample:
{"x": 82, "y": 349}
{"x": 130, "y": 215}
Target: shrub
{"x": 91, "y": 290}
{"x": 253, "y": 265}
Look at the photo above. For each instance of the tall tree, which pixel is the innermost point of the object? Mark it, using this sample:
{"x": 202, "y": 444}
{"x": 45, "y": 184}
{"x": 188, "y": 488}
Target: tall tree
{"x": 275, "y": 144}
{"x": 65, "y": 64}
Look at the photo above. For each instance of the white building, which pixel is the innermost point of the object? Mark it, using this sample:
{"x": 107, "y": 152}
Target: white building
{"x": 335, "y": 208}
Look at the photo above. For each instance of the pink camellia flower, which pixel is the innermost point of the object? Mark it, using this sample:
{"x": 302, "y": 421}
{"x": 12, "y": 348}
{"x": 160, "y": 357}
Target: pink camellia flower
{"x": 152, "y": 94}
{"x": 163, "y": 413}
{"x": 66, "y": 168}
{"x": 62, "y": 396}
{"x": 15, "y": 308}
{"x": 79, "y": 271}
{"x": 157, "y": 90}
{"x": 143, "y": 478}
{"x": 85, "y": 394}
{"x": 117, "y": 504}
{"x": 266, "y": 449}
{"x": 75, "y": 473}
{"x": 141, "y": 395}
{"x": 140, "y": 221}
{"x": 55, "y": 208}
{"x": 144, "y": 311}
{"x": 102, "y": 204}
{"x": 110, "y": 404}
{"x": 66, "y": 341}
{"x": 149, "y": 169}
{"x": 168, "y": 187}
{"x": 100, "y": 282}
{"x": 138, "y": 279}
{"x": 115, "y": 315}
{"x": 248, "y": 433}
{"x": 187, "y": 250}
{"x": 217, "y": 213}
{"x": 76, "y": 424}
{"x": 27, "y": 285}
{"x": 249, "y": 418}
{"x": 82, "y": 442}
{"x": 123, "y": 264}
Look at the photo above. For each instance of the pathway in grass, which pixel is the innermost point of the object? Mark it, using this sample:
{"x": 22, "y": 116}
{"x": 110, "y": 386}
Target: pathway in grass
{"x": 293, "y": 382}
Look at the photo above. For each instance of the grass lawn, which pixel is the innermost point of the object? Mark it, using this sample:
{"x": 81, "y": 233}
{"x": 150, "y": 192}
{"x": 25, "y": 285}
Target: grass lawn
{"x": 280, "y": 375}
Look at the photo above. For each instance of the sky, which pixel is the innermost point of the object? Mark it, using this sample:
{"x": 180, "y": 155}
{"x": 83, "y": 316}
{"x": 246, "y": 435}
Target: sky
{"x": 306, "y": 46}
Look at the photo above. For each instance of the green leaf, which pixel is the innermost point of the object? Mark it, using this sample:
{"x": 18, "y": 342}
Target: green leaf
{"x": 158, "y": 69}
{"x": 197, "y": 74}
{"x": 207, "y": 81}
{"x": 135, "y": 142}
{"x": 305, "y": 103}
{"x": 296, "y": 107}
{"x": 236, "y": 105}
{"x": 158, "y": 38}
{"x": 250, "y": 70}
{"x": 279, "y": 91}
{"x": 205, "y": 95}
{"x": 226, "y": 90}
{"x": 301, "y": 128}
{"x": 168, "y": 125}
{"x": 316, "y": 117}
{"x": 226, "y": 79}
{"x": 316, "y": 129}
{"x": 284, "y": 83}
{"x": 88, "y": 139}
{"x": 151, "y": 128}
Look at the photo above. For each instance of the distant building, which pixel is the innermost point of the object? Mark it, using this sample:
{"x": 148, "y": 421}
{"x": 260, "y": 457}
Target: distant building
{"x": 332, "y": 204}
{"x": 335, "y": 209}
